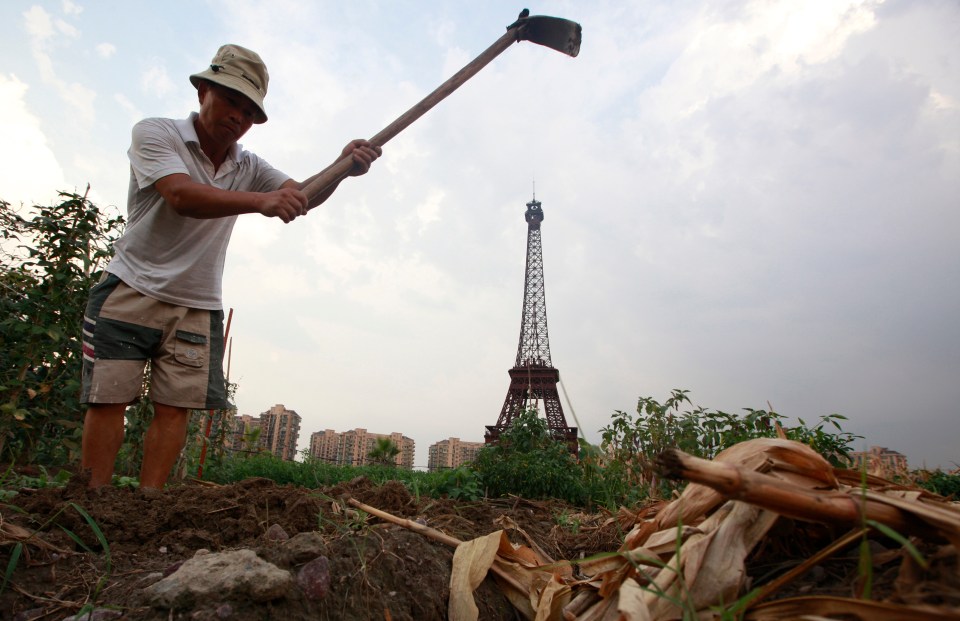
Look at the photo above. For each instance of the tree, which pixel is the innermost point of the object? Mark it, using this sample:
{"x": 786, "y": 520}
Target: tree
{"x": 384, "y": 452}
{"x": 48, "y": 262}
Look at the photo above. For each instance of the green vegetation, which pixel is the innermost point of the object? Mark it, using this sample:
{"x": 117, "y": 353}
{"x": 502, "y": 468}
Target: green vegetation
{"x": 49, "y": 261}
{"x": 384, "y": 452}
{"x": 632, "y": 443}
{"x": 938, "y": 482}
{"x": 527, "y": 461}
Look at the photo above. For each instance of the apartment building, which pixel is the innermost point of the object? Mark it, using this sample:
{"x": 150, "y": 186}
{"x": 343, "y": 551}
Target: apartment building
{"x": 352, "y": 448}
{"x": 243, "y": 433}
{"x": 325, "y": 445}
{"x": 279, "y": 431}
{"x": 451, "y": 453}
{"x": 880, "y": 461}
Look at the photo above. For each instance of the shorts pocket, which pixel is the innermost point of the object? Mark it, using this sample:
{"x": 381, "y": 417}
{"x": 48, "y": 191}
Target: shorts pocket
{"x": 190, "y": 349}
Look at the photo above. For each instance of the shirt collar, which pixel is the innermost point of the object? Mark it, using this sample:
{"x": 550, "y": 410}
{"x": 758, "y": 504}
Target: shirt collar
{"x": 188, "y": 132}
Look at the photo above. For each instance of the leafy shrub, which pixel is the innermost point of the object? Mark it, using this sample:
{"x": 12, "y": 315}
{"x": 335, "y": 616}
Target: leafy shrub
{"x": 49, "y": 262}
{"x": 461, "y": 483}
{"x": 939, "y": 482}
{"x": 633, "y": 443}
{"x": 529, "y": 462}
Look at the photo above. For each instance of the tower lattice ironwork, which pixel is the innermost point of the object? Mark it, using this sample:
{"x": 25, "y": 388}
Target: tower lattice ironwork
{"x": 533, "y": 377}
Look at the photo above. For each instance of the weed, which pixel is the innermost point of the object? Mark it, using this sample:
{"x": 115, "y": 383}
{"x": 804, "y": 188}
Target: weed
{"x": 568, "y": 521}
{"x": 11, "y": 565}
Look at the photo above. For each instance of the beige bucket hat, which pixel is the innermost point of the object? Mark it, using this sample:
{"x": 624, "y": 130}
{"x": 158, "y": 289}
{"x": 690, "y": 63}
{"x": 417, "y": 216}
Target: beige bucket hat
{"x": 240, "y": 69}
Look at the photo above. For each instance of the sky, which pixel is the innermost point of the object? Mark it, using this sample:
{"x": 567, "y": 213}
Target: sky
{"x": 754, "y": 201}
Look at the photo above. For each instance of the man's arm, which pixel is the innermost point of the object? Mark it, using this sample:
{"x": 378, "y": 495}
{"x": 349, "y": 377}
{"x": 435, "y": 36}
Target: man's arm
{"x": 197, "y": 200}
{"x": 363, "y": 154}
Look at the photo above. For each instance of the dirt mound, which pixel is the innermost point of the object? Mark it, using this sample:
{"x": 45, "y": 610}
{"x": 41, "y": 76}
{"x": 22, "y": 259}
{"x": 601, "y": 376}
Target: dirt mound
{"x": 73, "y": 547}
{"x": 377, "y": 570}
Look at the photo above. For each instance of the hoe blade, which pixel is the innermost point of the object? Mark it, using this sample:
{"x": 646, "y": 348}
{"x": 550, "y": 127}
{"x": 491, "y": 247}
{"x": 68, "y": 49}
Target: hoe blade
{"x": 556, "y": 33}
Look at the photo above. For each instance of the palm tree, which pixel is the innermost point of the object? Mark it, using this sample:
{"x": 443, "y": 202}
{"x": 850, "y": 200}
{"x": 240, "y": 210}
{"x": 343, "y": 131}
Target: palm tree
{"x": 383, "y": 452}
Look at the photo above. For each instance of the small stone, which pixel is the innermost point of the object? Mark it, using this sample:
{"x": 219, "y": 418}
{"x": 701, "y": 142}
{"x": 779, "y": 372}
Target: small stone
{"x": 172, "y": 568}
{"x": 152, "y": 577}
{"x": 238, "y": 574}
{"x": 314, "y": 578}
{"x": 304, "y": 547}
{"x": 224, "y": 611}
{"x": 201, "y": 552}
{"x": 276, "y": 533}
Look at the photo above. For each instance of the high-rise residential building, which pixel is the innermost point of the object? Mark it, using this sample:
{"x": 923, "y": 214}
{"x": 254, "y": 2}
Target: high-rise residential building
{"x": 325, "y": 445}
{"x": 881, "y": 461}
{"x": 451, "y": 453}
{"x": 352, "y": 448}
{"x": 243, "y": 435}
{"x": 279, "y": 431}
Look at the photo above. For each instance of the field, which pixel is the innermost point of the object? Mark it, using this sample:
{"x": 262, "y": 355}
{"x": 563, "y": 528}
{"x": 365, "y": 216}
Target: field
{"x": 83, "y": 549}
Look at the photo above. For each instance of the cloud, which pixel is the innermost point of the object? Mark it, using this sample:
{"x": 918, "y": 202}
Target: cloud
{"x": 106, "y": 50}
{"x": 41, "y": 28}
{"x": 156, "y": 81}
{"x": 71, "y": 8}
{"x": 753, "y": 200}
{"x": 28, "y": 166}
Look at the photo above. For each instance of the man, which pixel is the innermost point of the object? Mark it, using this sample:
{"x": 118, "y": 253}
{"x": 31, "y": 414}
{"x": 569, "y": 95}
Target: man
{"x": 160, "y": 298}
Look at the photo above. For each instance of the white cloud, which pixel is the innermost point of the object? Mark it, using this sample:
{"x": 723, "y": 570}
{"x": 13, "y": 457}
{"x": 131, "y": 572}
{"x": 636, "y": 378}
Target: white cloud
{"x": 133, "y": 112}
{"x": 38, "y": 23}
{"x": 750, "y": 199}
{"x": 28, "y": 166}
{"x": 106, "y": 50}
{"x": 71, "y": 8}
{"x": 156, "y": 81}
{"x": 66, "y": 29}
{"x": 41, "y": 28}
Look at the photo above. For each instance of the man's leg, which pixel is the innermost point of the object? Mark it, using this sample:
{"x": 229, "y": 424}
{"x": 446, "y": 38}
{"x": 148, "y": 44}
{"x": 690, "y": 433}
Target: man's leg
{"x": 162, "y": 444}
{"x": 102, "y": 437}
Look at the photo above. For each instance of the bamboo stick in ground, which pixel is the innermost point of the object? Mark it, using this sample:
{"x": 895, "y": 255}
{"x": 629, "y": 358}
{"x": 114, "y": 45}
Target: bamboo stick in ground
{"x": 434, "y": 534}
{"x": 423, "y": 529}
{"x": 786, "y": 498}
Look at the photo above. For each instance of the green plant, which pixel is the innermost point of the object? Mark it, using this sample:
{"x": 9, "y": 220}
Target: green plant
{"x": 11, "y": 565}
{"x": 568, "y": 521}
{"x": 528, "y": 461}
{"x": 94, "y": 527}
{"x": 50, "y": 259}
{"x": 834, "y": 446}
{"x": 383, "y": 452}
{"x": 939, "y": 482}
{"x": 462, "y": 483}
{"x": 634, "y": 442}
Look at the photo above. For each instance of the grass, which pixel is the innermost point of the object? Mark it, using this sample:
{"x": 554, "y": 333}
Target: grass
{"x": 18, "y": 551}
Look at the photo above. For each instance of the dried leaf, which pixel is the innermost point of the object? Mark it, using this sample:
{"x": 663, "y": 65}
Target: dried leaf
{"x": 832, "y": 607}
{"x": 631, "y": 604}
{"x": 471, "y": 562}
{"x": 553, "y": 597}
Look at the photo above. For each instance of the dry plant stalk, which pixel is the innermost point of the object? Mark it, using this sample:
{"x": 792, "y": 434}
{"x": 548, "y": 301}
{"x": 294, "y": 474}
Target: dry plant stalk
{"x": 688, "y": 558}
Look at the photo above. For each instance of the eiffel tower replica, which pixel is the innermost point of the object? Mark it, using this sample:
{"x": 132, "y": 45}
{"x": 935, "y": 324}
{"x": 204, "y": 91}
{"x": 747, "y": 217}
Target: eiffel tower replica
{"x": 534, "y": 378}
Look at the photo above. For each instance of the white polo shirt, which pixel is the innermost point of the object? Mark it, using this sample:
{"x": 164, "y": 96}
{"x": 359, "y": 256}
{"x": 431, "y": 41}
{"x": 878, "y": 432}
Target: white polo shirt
{"x": 165, "y": 255}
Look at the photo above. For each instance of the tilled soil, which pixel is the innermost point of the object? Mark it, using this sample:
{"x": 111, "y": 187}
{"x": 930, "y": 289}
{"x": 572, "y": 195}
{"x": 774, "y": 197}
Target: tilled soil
{"x": 377, "y": 570}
